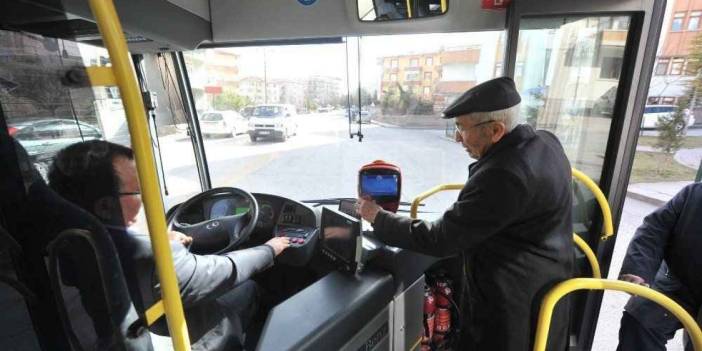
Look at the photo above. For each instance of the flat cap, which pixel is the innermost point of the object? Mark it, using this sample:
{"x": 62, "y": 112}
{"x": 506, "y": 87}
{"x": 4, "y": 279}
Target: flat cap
{"x": 493, "y": 95}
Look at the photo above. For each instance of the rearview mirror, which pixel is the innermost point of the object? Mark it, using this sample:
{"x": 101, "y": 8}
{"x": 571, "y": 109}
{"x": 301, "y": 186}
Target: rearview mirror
{"x": 388, "y": 10}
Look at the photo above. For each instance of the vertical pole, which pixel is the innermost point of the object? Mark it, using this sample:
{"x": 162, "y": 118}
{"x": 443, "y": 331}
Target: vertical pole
{"x": 113, "y": 37}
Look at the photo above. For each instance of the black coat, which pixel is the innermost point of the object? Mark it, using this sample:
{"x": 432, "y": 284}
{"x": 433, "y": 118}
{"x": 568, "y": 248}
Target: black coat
{"x": 512, "y": 222}
{"x": 670, "y": 235}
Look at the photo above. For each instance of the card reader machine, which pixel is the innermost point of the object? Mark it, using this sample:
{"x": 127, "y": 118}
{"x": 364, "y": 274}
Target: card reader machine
{"x": 383, "y": 182}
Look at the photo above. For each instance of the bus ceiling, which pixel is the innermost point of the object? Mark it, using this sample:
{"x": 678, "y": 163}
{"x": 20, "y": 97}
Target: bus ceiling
{"x": 181, "y": 25}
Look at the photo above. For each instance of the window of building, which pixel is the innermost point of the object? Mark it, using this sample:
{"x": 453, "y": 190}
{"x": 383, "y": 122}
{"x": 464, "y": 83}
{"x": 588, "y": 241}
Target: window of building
{"x": 386, "y": 63}
{"x": 676, "y": 68}
{"x": 611, "y": 67}
{"x": 690, "y": 68}
{"x": 427, "y": 90}
{"x": 668, "y": 100}
{"x": 414, "y": 62}
{"x": 427, "y": 75}
{"x": 412, "y": 76}
{"x": 653, "y": 100}
{"x": 678, "y": 19}
{"x": 429, "y": 61}
{"x": 694, "y": 22}
{"x": 662, "y": 66}
{"x": 394, "y": 64}
{"x": 393, "y": 77}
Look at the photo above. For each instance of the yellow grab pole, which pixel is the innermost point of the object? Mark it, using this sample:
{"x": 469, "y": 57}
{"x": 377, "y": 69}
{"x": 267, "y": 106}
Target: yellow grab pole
{"x": 601, "y": 200}
{"x": 585, "y": 248}
{"x": 443, "y": 6}
{"x": 568, "y": 286}
{"x": 417, "y": 200}
{"x": 113, "y": 37}
{"x": 409, "y": 8}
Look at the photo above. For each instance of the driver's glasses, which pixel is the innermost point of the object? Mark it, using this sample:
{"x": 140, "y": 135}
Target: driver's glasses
{"x": 130, "y": 193}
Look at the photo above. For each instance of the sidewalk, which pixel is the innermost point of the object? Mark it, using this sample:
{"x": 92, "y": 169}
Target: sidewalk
{"x": 655, "y": 193}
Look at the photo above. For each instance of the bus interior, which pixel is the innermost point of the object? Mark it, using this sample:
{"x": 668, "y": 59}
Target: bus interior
{"x": 299, "y": 95}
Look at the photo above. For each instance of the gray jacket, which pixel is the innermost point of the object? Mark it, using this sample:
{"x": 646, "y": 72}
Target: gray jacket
{"x": 202, "y": 280}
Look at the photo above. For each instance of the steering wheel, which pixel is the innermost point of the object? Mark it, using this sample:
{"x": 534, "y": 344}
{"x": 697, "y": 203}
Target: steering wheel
{"x": 221, "y": 234}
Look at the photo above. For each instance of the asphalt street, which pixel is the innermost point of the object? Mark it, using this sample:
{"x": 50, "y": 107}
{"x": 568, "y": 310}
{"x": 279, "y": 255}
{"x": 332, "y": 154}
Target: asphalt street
{"x": 322, "y": 161}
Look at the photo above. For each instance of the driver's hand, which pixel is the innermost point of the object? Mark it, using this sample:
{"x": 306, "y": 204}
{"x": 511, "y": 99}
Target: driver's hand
{"x": 180, "y": 237}
{"x": 279, "y": 244}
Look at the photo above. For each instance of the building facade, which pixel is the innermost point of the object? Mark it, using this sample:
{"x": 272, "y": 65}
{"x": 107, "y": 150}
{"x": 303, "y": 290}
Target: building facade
{"x": 434, "y": 77}
{"x": 672, "y": 74}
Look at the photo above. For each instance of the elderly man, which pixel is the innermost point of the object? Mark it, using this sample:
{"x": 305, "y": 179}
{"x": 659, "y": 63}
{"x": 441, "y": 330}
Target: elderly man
{"x": 511, "y": 222}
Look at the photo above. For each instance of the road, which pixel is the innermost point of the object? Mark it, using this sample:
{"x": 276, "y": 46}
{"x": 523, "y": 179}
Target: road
{"x": 320, "y": 162}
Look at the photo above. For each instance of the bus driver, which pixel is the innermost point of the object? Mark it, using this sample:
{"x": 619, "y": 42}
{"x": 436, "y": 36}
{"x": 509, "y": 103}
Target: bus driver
{"x": 511, "y": 223}
{"x": 218, "y": 297}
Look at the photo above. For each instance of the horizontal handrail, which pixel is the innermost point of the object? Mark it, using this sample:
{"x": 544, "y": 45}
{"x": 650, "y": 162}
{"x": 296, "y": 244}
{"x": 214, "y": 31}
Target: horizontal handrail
{"x": 568, "y": 286}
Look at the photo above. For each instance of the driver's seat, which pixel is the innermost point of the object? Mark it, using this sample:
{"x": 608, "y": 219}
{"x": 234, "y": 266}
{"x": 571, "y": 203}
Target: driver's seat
{"x": 83, "y": 288}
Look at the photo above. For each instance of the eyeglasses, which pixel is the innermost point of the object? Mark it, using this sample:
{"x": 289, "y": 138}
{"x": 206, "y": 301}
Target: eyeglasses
{"x": 460, "y": 128}
{"x": 130, "y": 193}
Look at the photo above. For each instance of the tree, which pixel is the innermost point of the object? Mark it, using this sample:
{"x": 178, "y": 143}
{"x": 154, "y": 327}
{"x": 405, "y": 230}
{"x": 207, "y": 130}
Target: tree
{"x": 671, "y": 128}
{"x": 229, "y": 100}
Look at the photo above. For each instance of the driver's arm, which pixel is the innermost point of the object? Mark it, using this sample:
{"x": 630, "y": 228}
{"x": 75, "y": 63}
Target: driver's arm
{"x": 207, "y": 276}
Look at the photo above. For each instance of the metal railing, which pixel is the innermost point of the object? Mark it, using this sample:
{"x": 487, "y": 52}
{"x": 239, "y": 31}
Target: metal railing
{"x": 122, "y": 75}
{"x": 568, "y": 286}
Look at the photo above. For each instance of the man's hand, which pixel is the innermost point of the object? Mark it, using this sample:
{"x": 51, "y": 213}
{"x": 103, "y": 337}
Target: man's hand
{"x": 279, "y": 244}
{"x": 633, "y": 279}
{"x": 180, "y": 237}
{"x": 367, "y": 208}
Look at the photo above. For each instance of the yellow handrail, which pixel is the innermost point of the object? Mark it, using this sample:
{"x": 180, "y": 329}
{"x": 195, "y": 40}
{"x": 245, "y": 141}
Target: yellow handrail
{"x": 585, "y": 248}
{"x": 409, "y": 8}
{"x": 417, "y": 200}
{"x": 113, "y": 37}
{"x": 568, "y": 286}
{"x": 601, "y": 200}
{"x": 443, "y": 6}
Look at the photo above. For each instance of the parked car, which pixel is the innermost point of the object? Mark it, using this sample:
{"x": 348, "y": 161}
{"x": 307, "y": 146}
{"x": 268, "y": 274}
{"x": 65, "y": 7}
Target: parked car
{"x": 273, "y": 121}
{"x": 43, "y": 138}
{"x": 652, "y": 113}
{"x": 223, "y": 123}
{"x": 365, "y": 115}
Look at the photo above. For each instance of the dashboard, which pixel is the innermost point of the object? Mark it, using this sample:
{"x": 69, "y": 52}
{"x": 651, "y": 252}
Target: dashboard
{"x": 279, "y": 211}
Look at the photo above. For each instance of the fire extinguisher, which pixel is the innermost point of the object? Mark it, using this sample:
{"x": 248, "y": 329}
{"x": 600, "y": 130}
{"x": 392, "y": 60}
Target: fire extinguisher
{"x": 442, "y": 323}
{"x": 429, "y": 316}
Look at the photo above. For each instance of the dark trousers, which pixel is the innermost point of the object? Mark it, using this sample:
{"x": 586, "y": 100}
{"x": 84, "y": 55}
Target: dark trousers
{"x": 633, "y": 336}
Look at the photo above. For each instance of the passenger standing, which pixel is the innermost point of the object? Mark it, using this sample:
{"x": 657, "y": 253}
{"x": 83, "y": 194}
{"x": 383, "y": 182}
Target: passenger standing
{"x": 511, "y": 223}
{"x": 665, "y": 254}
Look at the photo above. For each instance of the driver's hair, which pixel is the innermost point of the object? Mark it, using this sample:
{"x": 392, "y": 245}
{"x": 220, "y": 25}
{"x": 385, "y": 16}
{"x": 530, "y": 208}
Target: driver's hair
{"x": 83, "y": 173}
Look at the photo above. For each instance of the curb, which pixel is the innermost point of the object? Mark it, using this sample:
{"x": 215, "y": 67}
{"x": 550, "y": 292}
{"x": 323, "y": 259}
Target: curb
{"x": 388, "y": 125}
{"x": 645, "y": 198}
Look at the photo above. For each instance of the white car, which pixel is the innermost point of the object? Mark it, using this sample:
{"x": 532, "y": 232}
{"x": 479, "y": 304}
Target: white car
{"x": 273, "y": 121}
{"x": 223, "y": 123}
{"x": 652, "y": 113}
